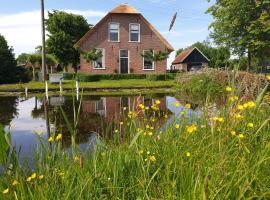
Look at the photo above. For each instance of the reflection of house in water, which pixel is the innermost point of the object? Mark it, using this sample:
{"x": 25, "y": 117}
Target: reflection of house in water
{"x": 109, "y": 110}
{"x": 57, "y": 100}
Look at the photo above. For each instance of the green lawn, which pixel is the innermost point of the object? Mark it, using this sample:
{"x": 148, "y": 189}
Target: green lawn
{"x": 103, "y": 84}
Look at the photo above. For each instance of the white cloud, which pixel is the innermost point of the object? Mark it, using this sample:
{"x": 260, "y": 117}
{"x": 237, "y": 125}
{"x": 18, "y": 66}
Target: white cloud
{"x": 23, "y": 30}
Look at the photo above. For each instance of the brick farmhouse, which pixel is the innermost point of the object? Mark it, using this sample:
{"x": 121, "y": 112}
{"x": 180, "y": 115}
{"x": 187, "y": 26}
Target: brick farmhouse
{"x": 123, "y": 36}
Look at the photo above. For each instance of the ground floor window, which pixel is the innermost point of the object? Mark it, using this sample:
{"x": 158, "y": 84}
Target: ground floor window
{"x": 100, "y": 62}
{"x": 148, "y": 64}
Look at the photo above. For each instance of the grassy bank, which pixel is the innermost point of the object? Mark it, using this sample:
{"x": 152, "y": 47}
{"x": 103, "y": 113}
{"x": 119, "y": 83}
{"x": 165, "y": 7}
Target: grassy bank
{"x": 220, "y": 155}
{"x": 90, "y": 86}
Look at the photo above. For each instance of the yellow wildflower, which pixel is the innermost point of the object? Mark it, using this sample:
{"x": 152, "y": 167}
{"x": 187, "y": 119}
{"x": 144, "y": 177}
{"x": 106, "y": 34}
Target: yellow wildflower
{"x": 148, "y": 152}
{"x": 188, "y": 106}
{"x": 251, "y": 104}
{"x": 141, "y": 106}
{"x": 29, "y": 179}
{"x": 15, "y": 182}
{"x": 5, "y": 191}
{"x": 228, "y": 89}
{"x": 59, "y": 137}
{"x": 188, "y": 154}
{"x": 146, "y": 108}
{"x": 241, "y": 136}
{"x": 150, "y": 133}
{"x": 268, "y": 77}
{"x": 240, "y": 107}
{"x": 182, "y": 113}
{"x": 33, "y": 176}
{"x": 157, "y": 102}
{"x": 116, "y": 131}
{"x": 50, "y": 139}
{"x": 152, "y": 158}
{"x": 219, "y": 119}
{"x": 165, "y": 116}
{"x": 147, "y": 126}
{"x": 233, "y": 133}
{"x": 158, "y": 137}
{"x": 250, "y": 125}
{"x": 176, "y": 104}
{"x": 141, "y": 152}
{"x": 238, "y": 116}
{"x": 124, "y": 108}
{"x": 41, "y": 177}
{"x": 233, "y": 98}
{"x": 192, "y": 128}
{"x": 177, "y": 126}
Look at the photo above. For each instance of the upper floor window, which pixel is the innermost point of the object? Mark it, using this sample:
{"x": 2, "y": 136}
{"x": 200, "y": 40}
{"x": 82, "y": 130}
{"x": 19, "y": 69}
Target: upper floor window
{"x": 114, "y": 32}
{"x": 134, "y": 32}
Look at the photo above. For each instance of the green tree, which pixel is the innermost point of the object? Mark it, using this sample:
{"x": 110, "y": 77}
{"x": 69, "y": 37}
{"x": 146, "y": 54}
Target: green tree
{"x": 243, "y": 26}
{"x": 64, "y": 31}
{"x": 7, "y": 63}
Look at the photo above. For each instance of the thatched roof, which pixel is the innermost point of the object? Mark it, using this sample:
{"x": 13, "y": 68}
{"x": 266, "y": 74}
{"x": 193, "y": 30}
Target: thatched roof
{"x": 124, "y": 9}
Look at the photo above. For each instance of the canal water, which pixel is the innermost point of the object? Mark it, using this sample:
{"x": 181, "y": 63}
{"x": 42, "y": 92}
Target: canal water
{"x": 26, "y": 117}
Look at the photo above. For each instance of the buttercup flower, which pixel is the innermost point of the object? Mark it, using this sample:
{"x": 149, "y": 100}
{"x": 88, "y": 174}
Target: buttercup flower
{"x": 15, "y": 182}
{"x": 268, "y": 77}
{"x": 188, "y": 154}
{"x": 228, "y": 89}
{"x": 157, "y": 102}
{"x": 241, "y": 136}
{"x": 29, "y": 179}
{"x": 33, "y": 176}
{"x": 5, "y": 191}
{"x": 250, "y": 125}
{"x": 41, "y": 177}
{"x": 50, "y": 139}
{"x": 177, "y": 126}
{"x": 233, "y": 133}
{"x": 192, "y": 128}
{"x": 188, "y": 106}
{"x": 59, "y": 137}
{"x": 152, "y": 158}
{"x": 176, "y": 104}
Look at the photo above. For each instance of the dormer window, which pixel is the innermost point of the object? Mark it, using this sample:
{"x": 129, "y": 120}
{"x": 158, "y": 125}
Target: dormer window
{"x": 134, "y": 32}
{"x": 114, "y": 32}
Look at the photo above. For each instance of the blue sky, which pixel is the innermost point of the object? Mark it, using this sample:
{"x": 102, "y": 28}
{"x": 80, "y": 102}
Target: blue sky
{"x": 20, "y": 19}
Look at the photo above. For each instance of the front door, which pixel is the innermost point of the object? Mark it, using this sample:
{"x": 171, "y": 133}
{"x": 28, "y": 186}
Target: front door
{"x": 124, "y": 61}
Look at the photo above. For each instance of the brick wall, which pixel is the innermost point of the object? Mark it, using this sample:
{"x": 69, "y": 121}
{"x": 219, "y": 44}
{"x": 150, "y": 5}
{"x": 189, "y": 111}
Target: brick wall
{"x": 99, "y": 39}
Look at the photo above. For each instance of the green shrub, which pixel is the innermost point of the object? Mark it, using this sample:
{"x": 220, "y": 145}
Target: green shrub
{"x": 156, "y": 77}
{"x": 89, "y": 78}
{"x": 97, "y": 77}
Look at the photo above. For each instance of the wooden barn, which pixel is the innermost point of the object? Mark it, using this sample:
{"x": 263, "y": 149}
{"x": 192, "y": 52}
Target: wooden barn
{"x": 190, "y": 60}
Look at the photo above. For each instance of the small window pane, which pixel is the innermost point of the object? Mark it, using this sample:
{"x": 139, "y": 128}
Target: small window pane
{"x": 134, "y": 27}
{"x": 98, "y": 64}
{"x": 134, "y": 32}
{"x": 123, "y": 53}
{"x": 148, "y": 63}
{"x": 114, "y": 32}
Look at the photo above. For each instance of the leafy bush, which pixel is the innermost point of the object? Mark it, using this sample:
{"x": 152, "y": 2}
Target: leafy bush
{"x": 156, "y": 77}
{"x": 97, "y": 77}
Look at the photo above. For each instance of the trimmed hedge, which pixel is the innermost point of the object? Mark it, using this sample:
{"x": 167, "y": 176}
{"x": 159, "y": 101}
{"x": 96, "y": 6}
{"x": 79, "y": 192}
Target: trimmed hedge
{"x": 98, "y": 77}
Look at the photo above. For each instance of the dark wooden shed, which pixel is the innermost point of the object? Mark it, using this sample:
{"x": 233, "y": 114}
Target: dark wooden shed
{"x": 190, "y": 60}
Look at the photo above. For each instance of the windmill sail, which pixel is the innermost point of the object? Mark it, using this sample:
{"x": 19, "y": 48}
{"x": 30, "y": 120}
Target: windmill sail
{"x": 173, "y": 21}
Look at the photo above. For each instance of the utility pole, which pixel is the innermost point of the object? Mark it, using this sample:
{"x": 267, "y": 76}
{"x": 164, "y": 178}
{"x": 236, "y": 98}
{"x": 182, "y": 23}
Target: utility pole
{"x": 43, "y": 42}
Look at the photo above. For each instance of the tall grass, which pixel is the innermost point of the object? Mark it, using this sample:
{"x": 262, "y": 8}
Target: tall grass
{"x": 220, "y": 156}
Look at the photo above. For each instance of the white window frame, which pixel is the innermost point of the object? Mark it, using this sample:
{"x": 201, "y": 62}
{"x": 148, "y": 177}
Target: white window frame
{"x": 120, "y": 60}
{"x": 103, "y": 60}
{"x": 104, "y": 111}
{"x": 109, "y": 38}
{"x": 153, "y": 63}
{"x": 139, "y": 37}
